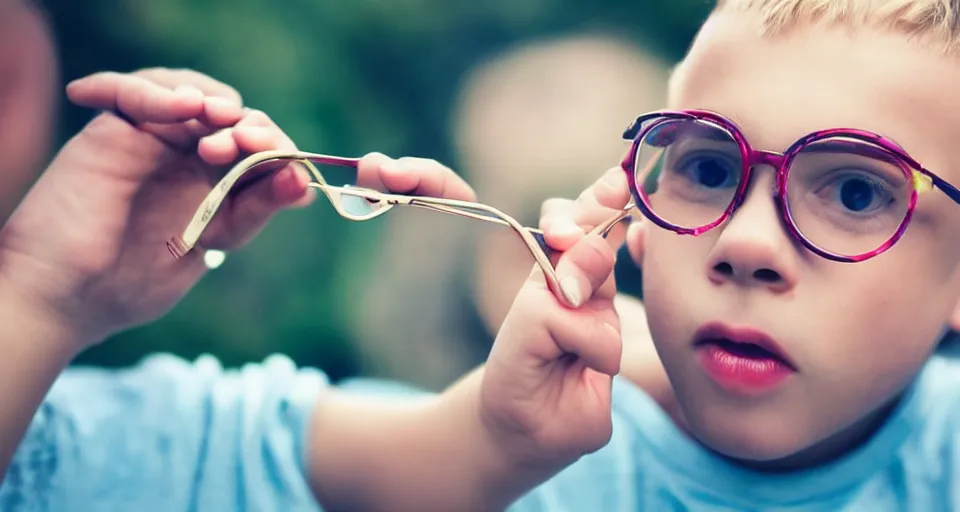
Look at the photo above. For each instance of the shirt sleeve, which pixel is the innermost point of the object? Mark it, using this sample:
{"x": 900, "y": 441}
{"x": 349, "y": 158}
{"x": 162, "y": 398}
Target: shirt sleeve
{"x": 170, "y": 434}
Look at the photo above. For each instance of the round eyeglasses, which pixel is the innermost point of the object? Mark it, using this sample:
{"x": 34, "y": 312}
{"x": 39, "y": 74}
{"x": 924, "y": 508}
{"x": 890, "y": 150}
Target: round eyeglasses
{"x": 845, "y": 194}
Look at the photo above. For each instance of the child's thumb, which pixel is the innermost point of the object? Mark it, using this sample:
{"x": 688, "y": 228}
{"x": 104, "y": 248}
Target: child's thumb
{"x": 584, "y": 268}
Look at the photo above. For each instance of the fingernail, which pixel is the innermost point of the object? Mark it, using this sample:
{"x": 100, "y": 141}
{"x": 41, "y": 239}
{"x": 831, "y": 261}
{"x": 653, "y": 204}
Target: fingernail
{"x": 571, "y": 288}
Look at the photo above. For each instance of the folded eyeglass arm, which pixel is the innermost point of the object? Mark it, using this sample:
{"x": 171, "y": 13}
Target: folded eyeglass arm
{"x": 378, "y": 203}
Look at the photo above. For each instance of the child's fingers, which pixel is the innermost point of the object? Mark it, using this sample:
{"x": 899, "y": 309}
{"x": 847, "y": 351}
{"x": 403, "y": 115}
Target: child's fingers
{"x": 413, "y": 176}
{"x": 590, "y": 336}
{"x": 427, "y": 177}
{"x": 254, "y": 133}
{"x": 584, "y": 268}
{"x": 368, "y": 172}
{"x": 558, "y": 223}
{"x": 555, "y": 205}
{"x": 563, "y": 222}
{"x": 610, "y": 192}
{"x": 284, "y": 191}
{"x": 222, "y": 106}
{"x": 253, "y": 207}
{"x": 179, "y": 106}
{"x": 602, "y": 200}
{"x": 171, "y": 78}
{"x": 257, "y": 132}
{"x": 219, "y": 148}
{"x": 219, "y": 112}
{"x": 185, "y": 135}
{"x": 273, "y": 187}
{"x": 136, "y": 98}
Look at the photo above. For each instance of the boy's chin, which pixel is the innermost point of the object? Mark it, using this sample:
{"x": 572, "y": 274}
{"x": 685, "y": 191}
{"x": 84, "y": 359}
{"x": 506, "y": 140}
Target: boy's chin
{"x": 761, "y": 446}
{"x": 767, "y": 455}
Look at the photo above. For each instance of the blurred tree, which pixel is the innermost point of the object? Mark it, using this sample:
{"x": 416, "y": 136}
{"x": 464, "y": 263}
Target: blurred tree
{"x": 341, "y": 77}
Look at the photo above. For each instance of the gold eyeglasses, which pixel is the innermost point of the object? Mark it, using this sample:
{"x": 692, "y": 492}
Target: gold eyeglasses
{"x": 360, "y": 204}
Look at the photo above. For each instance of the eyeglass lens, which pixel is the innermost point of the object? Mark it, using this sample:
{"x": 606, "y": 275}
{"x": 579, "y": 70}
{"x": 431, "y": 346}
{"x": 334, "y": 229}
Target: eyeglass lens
{"x": 843, "y": 195}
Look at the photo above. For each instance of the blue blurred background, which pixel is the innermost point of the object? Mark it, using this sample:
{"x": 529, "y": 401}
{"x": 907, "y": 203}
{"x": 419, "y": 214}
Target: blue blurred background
{"x": 525, "y": 98}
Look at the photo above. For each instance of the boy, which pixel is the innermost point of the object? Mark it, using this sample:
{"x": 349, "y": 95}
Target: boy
{"x": 797, "y": 329}
{"x": 838, "y": 406}
{"x": 805, "y": 383}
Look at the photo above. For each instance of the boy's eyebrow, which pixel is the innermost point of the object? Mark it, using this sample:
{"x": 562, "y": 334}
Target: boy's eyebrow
{"x": 712, "y": 131}
{"x": 708, "y": 135}
{"x": 858, "y": 148}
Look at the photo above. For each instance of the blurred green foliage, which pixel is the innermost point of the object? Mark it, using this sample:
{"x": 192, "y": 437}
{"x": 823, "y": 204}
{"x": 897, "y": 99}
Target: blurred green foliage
{"x": 342, "y": 77}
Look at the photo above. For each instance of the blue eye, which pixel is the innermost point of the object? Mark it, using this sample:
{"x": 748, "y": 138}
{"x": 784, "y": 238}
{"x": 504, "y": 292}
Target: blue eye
{"x": 858, "y": 194}
{"x": 709, "y": 172}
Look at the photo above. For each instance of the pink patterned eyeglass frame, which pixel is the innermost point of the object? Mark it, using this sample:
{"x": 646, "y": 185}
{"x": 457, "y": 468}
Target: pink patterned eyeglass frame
{"x": 922, "y": 179}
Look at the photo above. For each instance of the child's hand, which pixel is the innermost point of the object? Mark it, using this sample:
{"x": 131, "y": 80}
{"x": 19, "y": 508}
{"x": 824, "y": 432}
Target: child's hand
{"x": 546, "y": 388}
{"x": 640, "y": 362}
{"x": 87, "y": 244}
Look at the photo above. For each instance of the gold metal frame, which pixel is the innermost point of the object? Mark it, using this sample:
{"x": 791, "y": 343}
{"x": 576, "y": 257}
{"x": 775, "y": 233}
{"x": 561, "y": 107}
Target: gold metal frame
{"x": 379, "y": 203}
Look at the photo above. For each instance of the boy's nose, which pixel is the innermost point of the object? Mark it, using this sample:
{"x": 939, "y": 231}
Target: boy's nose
{"x": 754, "y": 248}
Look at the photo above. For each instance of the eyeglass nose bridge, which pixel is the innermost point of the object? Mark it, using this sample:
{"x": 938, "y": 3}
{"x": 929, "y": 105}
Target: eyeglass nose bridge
{"x": 771, "y": 158}
{"x": 356, "y": 203}
{"x": 755, "y": 158}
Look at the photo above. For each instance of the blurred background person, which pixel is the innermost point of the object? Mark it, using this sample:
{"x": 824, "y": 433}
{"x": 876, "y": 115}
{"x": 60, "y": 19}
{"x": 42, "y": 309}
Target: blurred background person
{"x": 28, "y": 98}
{"x": 539, "y": 120}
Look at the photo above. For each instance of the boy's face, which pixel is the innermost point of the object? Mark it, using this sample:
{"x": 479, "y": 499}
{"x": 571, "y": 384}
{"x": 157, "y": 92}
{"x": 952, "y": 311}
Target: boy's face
{"x": 856, "y": 333}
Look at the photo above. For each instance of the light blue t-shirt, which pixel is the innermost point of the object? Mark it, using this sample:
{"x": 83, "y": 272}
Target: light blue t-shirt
{"x": 911, "y": 464}
{"x": 171, "y": 435}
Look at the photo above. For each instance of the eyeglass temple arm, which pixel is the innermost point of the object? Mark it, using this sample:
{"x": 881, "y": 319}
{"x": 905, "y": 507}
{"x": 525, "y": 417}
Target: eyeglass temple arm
{"x": 948, "y": 189}
{"x": 631, "y": 131}
{"x": 537, "y": 233}
{"x": 531, "y": 237}
{"x": 180, "y": 245}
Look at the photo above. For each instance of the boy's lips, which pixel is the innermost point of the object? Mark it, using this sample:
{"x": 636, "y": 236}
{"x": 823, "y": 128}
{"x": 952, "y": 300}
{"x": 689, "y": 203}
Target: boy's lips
{"x": 742, "y": 360}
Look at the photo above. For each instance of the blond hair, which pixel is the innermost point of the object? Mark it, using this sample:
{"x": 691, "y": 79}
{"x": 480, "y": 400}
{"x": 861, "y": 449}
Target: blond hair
{"x": 936, "y": 22}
